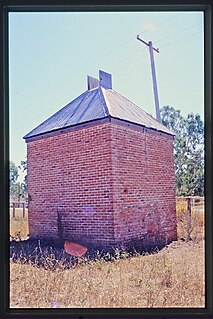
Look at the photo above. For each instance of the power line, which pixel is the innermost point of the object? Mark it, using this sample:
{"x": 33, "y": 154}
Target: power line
{"x": 107, "y": 54}
{"x": 164, "y": 21}
{"x": 139, "y": 59}
{"x": 135, "y": 52}
{"x": 47, "y": 105}
{"x": 123, "y": 60}
{"x": 132, "y": 38}
{"x": 180, "y": 39}
{"x": 116, "y": 64}
{"x": 129, "y": 64}
{"x": 169, "y": 36}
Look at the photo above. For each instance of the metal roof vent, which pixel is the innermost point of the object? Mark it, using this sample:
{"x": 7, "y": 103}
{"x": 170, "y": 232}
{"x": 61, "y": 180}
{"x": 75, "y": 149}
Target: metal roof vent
{"x": 92, "y": 83}
{"x": 105, "y": 79}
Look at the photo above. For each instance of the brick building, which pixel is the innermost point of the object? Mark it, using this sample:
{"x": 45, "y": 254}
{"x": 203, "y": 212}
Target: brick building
{"x": 101, "y": 173}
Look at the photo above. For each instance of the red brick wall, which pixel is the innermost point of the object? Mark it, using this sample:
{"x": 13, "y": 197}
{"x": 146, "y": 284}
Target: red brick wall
{"x": 106, "y": 184}
{"x": 71, "y": 174}
{"x": 144, "y": 187}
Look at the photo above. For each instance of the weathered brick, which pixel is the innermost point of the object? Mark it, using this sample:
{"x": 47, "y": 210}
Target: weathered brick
{"x": 108, "y": 183}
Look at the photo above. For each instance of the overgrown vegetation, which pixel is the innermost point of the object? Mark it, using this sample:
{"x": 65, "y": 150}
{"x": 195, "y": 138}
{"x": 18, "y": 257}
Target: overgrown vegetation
{"x": 45, "y": 277}
{"x": 174, "y": 277}
{"x": 196, "y": 230}
{"x": 19, "y": 228}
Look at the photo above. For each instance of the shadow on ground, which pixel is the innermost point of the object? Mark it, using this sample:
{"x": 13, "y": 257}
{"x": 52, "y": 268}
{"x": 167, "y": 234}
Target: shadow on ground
{"x": 50, "y": 255}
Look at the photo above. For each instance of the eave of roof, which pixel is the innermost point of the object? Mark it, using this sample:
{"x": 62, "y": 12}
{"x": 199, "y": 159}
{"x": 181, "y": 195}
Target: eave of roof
{"x": 122, "y": 108}
{"x": 94, "y": 104}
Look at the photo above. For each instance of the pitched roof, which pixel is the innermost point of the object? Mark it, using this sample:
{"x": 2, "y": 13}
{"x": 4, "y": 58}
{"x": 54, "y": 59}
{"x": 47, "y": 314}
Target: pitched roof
{"x": 98, "y": 103}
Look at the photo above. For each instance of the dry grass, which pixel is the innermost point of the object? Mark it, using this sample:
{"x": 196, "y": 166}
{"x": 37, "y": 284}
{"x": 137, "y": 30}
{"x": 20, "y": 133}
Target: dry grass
{"x": 197, "y": 221}
{"x": 173, "y": 277}
{"x": 19, "y": 226}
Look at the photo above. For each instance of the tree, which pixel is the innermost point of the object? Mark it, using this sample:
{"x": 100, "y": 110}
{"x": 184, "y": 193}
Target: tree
{"x": 18, "y": 190}
{"x": 13, "y": 180}
{"x": 188, "y": 150}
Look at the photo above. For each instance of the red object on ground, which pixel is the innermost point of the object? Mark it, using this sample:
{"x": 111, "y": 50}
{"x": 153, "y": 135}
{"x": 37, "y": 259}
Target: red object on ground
{"x": 75, "y": 249}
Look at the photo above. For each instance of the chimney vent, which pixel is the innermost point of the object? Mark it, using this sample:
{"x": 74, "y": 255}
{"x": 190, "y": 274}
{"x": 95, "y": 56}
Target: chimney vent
{"x": 105, "y": 79}
{"x": 92, "y": 83}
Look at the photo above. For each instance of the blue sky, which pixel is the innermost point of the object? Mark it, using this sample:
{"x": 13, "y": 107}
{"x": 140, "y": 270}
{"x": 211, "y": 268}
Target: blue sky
{"x": 50, "y": 55}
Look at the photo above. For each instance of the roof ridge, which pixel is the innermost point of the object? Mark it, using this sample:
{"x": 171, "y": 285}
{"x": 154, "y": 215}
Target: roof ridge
{"x": 85, "y": 96}
{"x": 104, "y": 101}
{"x": 88, "y": 106}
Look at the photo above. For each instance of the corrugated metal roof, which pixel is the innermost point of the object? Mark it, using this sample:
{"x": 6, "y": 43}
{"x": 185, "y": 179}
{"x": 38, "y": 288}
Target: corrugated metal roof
{"x": 86, "y": 107}
{"x": 95, "y": 104}
{"x": 120, "y": 107}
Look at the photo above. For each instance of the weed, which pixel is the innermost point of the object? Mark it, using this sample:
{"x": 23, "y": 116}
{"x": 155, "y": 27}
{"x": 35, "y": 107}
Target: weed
{"x": 47, "y": 277}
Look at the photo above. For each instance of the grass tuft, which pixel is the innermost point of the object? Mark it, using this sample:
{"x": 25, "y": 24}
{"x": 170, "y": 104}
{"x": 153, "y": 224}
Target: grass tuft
{"x": 42, "y": 276}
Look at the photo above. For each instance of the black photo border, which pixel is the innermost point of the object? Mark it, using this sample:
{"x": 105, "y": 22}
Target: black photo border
{"x": 7, "y": 6}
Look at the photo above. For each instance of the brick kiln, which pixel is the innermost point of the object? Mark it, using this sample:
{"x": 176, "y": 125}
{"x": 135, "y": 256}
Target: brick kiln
{"x": 101, "y": 172}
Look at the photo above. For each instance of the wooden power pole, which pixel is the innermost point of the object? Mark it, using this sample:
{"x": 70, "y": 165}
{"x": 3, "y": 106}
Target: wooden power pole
{"x": 154, "y": 80}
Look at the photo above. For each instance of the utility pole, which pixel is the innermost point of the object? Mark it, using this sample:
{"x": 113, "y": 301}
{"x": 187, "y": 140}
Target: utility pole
{"x": 154, "y": 80}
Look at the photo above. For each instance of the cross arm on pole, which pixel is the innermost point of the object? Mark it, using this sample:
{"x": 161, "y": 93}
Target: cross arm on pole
{"x": 148, "y": 44}
{"x": 154, "y": 80}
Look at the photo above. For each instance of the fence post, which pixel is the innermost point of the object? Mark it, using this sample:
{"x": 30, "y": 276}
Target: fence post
{"x": 19, "y": 190}
{"x": 23, "y": 204}
{"x": 188, "y": 219}
{"x": 14, "y": 210}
